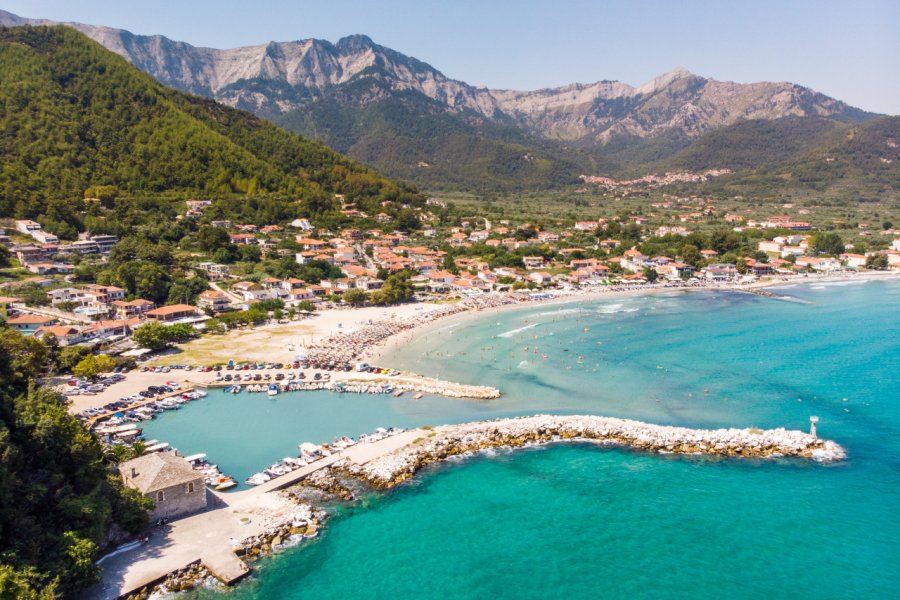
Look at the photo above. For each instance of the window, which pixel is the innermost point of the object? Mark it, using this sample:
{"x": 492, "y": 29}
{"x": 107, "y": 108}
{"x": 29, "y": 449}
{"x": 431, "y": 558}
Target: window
{"x": 191, "y": 488}
{"x": 160, "y": 496}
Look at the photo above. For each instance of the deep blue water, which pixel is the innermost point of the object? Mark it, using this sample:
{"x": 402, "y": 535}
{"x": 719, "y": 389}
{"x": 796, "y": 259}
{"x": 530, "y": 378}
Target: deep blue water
{"x": 581, "y": 521}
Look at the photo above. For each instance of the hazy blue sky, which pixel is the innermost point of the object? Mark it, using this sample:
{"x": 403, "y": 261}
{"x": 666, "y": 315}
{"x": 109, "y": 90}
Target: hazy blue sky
{"x": 849, "y": 50}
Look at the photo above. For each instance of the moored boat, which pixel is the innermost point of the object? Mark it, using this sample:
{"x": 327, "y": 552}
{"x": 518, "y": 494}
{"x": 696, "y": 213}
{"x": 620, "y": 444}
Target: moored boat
{"x": 257, "y": 479}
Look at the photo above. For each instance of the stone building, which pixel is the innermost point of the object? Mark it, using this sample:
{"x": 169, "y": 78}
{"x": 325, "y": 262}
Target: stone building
{"x": 175, "y": 488}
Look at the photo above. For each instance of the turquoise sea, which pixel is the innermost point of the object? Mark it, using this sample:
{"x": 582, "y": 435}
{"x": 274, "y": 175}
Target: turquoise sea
{"x": 581, "y": 521}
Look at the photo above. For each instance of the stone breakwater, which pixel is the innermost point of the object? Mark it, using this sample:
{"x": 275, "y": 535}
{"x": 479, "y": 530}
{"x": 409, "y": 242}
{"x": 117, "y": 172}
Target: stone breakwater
{"x": 405, "y": 382}
{"x": 452, "y": 440}
{"x": 188, "y": 578}
{"x": 303, "y": 523}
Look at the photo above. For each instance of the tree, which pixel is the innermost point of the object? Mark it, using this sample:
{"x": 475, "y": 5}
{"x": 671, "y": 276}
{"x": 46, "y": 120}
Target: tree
{"x": 250, "y": 253}
{"x": 227, "y": 254}
{"x": 152, "y": 283}
{"x": 690, "y": 254}
{"x": 827, "y": 243}
{"x": 397, "y": 288}
{"x": 138, "y": 448}
{"x": 106, "y": 194}
{"x": 33, "y": 295}
{"x": 355, "y": 297}
{"x": 651, "y": 275}
{"x": 16, "y": 585}
{"x": 407, "y": 221}
{"x": 211, "y": 238}
{"x": 878, "y": 262}
{"x": 91, "y": 366}
{"x": 306, "y": 305}
{"x": 887, "y": 225}
{"x": 179, "y": 333}
{"x": 214, "y": 326}
{"x": 152, "y": 335}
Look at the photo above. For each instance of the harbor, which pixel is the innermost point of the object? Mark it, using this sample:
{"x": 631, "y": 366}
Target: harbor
{"x": 211, "y": 538}
{"x": 329, "y": 409}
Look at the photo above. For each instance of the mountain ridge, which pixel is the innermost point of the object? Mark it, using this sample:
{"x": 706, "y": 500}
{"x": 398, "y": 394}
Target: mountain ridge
{"x": 311, "y": 67}
{"x": 405, "y": 118}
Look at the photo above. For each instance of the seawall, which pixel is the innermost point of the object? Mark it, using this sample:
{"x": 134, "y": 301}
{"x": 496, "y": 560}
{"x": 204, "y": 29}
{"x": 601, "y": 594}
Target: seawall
{"x": 452, "y": 440}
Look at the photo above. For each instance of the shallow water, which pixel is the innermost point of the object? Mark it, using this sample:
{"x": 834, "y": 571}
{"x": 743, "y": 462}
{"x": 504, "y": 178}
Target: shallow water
{"x": 578, "y": 520}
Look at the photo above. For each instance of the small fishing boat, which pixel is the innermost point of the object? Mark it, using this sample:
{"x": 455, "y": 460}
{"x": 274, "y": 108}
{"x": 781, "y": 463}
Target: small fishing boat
{"x": 418, "y": 396}
{"x": 398, "y": 393}
{"x": 224, "y": 483}
{"x": 195, "y": 457}
{"x": 273, "y": 389}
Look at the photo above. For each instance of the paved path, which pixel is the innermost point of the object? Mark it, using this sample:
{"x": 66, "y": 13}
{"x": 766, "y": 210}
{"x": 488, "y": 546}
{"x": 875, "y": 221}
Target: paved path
{"x": 208, "y": 536}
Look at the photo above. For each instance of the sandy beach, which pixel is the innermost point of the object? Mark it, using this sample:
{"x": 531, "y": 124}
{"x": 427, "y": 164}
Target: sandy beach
{"x": 280, "y": 342}
{"x": 283, "y": 342}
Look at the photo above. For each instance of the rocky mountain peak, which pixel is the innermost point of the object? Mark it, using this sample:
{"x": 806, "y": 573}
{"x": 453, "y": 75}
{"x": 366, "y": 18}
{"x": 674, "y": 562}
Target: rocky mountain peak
{"x": 279, "y": 77}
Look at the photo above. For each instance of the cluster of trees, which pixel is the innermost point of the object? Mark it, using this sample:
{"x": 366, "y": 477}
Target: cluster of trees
{"x": 313, "y": 271}
{"x": 397, "y": 288}
{"x": 93, "y": 365}
{"x": 827, "y": 243}
{"x": 257, "y": 314}
{"x": 156, "y": 336}
{"x": 59, "y": 499}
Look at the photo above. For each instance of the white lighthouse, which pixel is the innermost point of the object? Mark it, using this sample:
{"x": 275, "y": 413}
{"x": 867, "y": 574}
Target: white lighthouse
{"x": 812, "y": 425}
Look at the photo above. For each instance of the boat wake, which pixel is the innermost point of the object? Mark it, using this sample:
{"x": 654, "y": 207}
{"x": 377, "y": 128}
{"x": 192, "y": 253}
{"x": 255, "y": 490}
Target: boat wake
{"x": 564, "y": 311}
{"x": 512, "y": 332}
{"x": 615, "y": 308}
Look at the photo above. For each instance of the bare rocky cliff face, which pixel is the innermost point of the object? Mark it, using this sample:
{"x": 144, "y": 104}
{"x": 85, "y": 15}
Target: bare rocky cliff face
{"x": 280, "y": 77}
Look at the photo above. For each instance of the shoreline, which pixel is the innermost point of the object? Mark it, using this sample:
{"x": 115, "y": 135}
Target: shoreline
{"x": 384, "y": 349}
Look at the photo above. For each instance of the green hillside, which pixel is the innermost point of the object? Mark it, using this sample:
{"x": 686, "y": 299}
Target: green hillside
{"x": 409, "y": 136}
{"x": 846, "y": 164}
{"x": 751, "y": 144}
{"x": 74, "y": 115}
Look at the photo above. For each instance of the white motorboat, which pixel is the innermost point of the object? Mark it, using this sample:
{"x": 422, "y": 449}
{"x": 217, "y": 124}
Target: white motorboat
{"x": 257, "y": 479}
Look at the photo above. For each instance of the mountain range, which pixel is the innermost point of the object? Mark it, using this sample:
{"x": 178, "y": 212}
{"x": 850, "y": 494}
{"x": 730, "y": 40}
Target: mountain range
{"x": 405, "y": 118}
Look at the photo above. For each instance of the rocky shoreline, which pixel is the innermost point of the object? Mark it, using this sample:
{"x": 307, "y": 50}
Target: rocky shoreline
{"x": 304, "y": 523}
{"x": 437, "y": 445}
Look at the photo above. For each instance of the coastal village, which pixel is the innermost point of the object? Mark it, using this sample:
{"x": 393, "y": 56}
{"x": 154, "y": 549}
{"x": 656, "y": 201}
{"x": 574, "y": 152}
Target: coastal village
{"x": 445, "y": 265}
{"x": 274, "y": 296}
{"x": 443, "y": 261}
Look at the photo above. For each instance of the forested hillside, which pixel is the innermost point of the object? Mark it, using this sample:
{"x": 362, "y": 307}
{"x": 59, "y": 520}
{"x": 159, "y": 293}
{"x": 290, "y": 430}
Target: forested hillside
{"x": 59, "y": 501}
{"x": 74, "y": 115}
{"x": 410, "y": 136}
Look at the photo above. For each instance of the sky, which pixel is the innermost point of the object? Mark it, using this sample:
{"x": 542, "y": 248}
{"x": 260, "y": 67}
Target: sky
{"x": 847, "y": 50}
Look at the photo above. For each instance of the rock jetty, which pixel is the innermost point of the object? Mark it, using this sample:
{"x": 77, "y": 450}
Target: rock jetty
{"x": 452, "y": 440}
{"x": 303, "y": 523}
{"x": 404, "y": 382}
